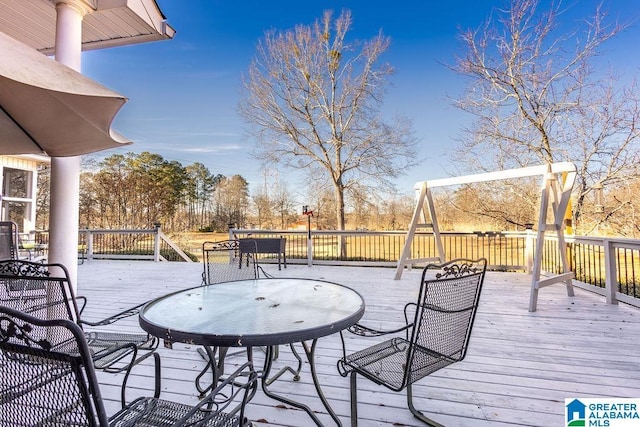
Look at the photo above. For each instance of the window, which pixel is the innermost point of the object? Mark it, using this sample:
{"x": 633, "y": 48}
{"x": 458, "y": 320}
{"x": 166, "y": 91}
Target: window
{"x": 16, "y": 183}
{"x": 16, "y": 212}
{"x": 16, "y": 196}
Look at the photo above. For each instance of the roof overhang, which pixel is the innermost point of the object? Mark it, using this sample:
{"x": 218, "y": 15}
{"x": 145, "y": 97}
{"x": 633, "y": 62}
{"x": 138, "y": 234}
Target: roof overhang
{"x": 36, "y": 158}
{"x": 110, "y": 23}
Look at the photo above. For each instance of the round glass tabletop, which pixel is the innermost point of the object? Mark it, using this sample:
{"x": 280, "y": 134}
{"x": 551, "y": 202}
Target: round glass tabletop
{"x": 253, "y": 312}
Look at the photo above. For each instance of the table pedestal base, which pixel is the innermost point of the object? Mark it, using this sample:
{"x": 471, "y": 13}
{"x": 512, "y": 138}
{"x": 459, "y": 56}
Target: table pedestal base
{"x": 216, "y": 367}
{"x": 266, "y": 381}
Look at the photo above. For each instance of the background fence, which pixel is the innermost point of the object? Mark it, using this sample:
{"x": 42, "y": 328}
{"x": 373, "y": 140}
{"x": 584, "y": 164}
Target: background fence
{"x": 148, "y": 244}
{"x": 608, "y": 266}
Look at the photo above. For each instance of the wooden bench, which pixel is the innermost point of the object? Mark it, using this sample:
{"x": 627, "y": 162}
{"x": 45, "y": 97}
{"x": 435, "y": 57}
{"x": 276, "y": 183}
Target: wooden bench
{"x": 265, "y": 245}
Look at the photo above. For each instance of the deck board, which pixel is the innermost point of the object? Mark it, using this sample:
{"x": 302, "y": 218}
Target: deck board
{"x": 519, "y": 368}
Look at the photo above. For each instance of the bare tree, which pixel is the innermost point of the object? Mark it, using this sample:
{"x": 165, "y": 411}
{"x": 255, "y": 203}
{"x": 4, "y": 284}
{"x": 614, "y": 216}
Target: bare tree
{"x": 313, "y": 101}
{"x": 273, "y": 204}
{"x": 321, "y": 201}
{"x": 397, "y": 212}
{"x": 283, "y": 204}
{"x": 619, "y": 214}
{"x": 360, "y": 207}
{"x": 537, "y": 97}
{"x": 200, "y": 184}
{"x": 231, "y": 199}
{"x": 262, "y": 208}
{"x": 493, "y": 206}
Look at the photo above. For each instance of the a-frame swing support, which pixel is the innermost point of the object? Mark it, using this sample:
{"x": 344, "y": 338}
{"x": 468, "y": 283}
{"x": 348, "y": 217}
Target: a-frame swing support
{"x": 557, "y": 183}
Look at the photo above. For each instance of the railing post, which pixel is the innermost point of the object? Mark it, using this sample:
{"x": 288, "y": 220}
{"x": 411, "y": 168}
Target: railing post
{"x": 156, "y": 243}
{"x": 309, "y": 213}
{"x": 529, "y": 249}
{"x": 611, "y": 272}
{"x": 89, "y": 244}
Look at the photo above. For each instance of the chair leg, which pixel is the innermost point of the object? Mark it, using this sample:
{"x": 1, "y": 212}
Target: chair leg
{"x": 127, "y": 371}
{"x": 416, "y": 413}
{"x": 354, "y": 399}
{"x": 156, "y": 363}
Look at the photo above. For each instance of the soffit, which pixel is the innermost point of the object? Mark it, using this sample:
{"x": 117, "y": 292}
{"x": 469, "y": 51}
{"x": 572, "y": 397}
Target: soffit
{"x": 112, "y": 23}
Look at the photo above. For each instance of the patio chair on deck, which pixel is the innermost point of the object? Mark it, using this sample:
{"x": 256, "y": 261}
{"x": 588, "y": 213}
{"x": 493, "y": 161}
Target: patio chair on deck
{"x": 8, "y": 240}
{"x": 48, "y": 378}
{"x": 438, "y": 336}
{"x": 29, "y": 249}
{"x": 44, "y": 291}
{"x": 228, "y": 260}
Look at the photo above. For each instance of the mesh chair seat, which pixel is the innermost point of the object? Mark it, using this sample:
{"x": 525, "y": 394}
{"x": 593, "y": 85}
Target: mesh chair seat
{"x": 384, "y": 363}
{"x": 108, "y": 348}
{"x": 150, "y": 412}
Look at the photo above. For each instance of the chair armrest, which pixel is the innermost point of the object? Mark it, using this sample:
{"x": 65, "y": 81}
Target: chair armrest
{"x": 230, "y": 396}
{"x": 82, "y": 303}
{"x": 410, "y": 309}
{"x": 365, "y": 331}
{"x": 132, "y": 311}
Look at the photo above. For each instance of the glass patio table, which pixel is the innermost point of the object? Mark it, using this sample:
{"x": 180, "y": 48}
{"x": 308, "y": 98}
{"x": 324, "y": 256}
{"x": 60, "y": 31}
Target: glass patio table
{"x": 257, "y": 313}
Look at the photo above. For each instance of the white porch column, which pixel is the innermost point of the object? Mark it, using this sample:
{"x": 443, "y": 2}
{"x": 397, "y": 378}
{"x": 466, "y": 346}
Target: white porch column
{"x": 65, "y": 171}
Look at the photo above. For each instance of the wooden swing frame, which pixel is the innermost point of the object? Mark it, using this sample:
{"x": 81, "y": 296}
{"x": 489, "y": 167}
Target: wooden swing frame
{"x": 557, "y": 184}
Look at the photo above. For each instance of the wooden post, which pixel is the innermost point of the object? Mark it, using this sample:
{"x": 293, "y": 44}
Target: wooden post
{"x": 89, "y": 245}
{"x": 611, "y": 271}
{"x": 529, "y": 250}
{"x": 156, "y": 243}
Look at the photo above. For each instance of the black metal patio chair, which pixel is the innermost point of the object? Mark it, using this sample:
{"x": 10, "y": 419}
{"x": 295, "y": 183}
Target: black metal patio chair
{"x": 228, "y": 260}
{"x": 44, "y": 291}
{"x": 48, "y": 379}
{"x": 437, "y": 337}
{"x": 8, "y": 240}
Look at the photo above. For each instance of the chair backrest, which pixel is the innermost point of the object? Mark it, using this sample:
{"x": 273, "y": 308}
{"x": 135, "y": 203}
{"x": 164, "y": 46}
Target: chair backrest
{"x": 41, "y": 290}
{"x": 229, "y": 260}
{"x": 47, "y": 374}
{"x": 445, "y": 311}
{"x": 8, "y": 240}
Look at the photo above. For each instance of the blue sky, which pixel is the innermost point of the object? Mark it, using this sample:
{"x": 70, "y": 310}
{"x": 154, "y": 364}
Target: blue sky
{"x": 183, "y": 93}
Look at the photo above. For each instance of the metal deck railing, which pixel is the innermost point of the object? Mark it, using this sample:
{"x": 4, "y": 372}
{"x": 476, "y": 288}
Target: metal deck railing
{"x": 608, "y": 266}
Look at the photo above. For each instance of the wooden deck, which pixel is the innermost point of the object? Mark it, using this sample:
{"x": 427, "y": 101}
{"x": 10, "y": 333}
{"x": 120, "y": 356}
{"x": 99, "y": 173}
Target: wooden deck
{"x": 519, "y": 369}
